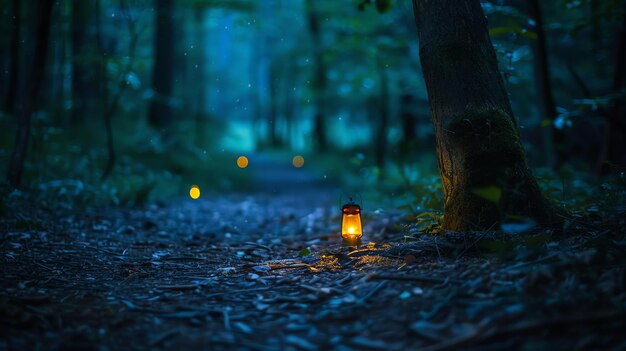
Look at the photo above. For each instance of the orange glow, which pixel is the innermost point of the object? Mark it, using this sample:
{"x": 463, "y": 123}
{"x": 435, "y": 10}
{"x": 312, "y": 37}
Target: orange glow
{"x": 298, "y": 161}
{"x": 242, "y": 162}
{"x": 351, "y": 230}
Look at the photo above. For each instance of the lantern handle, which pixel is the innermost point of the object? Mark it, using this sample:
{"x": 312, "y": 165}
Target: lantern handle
{"x": 350, "y": 197}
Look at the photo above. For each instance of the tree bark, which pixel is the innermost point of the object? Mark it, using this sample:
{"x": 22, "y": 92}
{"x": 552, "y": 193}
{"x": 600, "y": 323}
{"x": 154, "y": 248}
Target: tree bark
{"x": 319, "y": 79}
{"x": 33, "y": 85}
{"x": 80, "y": 58}
{"x": 9, "y": 103}
{"x": 160, "y": 115}
{"x": 612, "y": 155}
{"x": 557, "y": 153}
{"x": 480, "y": 155}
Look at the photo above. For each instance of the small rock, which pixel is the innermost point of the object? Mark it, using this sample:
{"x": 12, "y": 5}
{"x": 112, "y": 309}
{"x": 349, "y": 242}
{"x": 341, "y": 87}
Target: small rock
{"x": 405, "y": 295}
{"x": 227, "y": 270}
{"x": 126, "y": 229}
{"x": 261, "y": 269}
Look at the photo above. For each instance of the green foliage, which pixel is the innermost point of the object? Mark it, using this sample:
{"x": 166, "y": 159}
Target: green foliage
{"x": 514, "y": 28}
{"x": 66, "y": 172}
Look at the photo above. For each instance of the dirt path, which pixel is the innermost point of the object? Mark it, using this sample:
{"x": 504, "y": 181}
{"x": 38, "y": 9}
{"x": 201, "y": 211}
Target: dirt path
{"x": 266, "y": 272}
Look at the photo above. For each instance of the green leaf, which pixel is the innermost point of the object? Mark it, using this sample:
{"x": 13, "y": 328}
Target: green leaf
{"x": 429, "y": 215}
{"x": 546, "y": 123}
{"x": 305, "y": 252}
{"x": 490, "y": 193}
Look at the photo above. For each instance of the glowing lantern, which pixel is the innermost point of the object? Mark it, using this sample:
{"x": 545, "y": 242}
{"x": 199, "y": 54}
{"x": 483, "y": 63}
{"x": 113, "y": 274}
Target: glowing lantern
{"x": 351, "y": 231}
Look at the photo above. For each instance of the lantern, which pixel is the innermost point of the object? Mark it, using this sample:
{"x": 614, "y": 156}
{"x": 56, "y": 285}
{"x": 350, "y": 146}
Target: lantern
{"x": 351, "y": 231}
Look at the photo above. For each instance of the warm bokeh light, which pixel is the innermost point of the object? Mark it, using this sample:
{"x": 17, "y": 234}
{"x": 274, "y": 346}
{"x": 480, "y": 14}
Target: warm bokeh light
{"x": 242, "y": 162}
{"x": 194, "y": 192}
{"x": 351, "y": 230}
{"x": 298, "y": 161}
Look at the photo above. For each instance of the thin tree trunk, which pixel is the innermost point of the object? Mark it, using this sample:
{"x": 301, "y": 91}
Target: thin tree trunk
{"x": 199, "y": 72}
{"x": 112, "y": 108}
{"x": 33, "y": 85}
{"x": 319, "y": 79}
{"x": 612, "y": 154}
{"x": 272, "y": 122}
{"x": 383, "y": 120}
{"x": 481, "y": 159}
{"x": 557, "y": 152}
{"x": 80, "y": 68}
{"x": 9, "y": 103}
{"x": 160, "y": 115}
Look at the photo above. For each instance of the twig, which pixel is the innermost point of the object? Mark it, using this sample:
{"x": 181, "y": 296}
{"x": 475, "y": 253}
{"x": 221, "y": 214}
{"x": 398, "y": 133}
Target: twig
{"x": 226, "y": 319}
{"x": 236, "y": 292}
{"x": 178, "y": 287}
{"x": 163, "y": 336}
{"x": 42, "y": 266}
{"x": 250, "y": 243}
{"x": 476, "y": 241}
{"x": 371, "y": 293}
{"x": 419, "y": 278}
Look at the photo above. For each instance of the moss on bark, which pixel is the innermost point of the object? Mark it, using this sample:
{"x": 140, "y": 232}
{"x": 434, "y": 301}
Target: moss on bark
{"x": 485, "y": 151}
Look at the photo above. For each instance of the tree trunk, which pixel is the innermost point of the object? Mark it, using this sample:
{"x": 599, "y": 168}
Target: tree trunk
{"x": 480, "y": 155}
{"x": 199, "y": 73}
{"x": 612, "y": 155}
{"x": 383, "y": 120}
{"x": 272, "y": 121}
{"x": 33, "y": 85}
{"x": 163, "y": 74}
{"x": 319, "y": 80}
{"x": 80, "y": 58}
{"x": 9, "y": 103}
{"x": 557, "y": 152}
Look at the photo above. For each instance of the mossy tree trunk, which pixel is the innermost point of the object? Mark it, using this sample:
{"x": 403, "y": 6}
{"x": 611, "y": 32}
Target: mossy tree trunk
{"x": 481, "y": 159}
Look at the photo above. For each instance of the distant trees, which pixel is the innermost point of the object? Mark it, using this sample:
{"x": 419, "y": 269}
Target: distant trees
{"x": 319, "y": 77}
{"x": 160, "y": 113}
{"x": 612, "y": 155}
{"x": 14, "y": 62}
{"x": 84, "y": 61}
{"x": 481, "y": 159}
{"x": 33, "y": 86}
{"x": 558, "y": 152}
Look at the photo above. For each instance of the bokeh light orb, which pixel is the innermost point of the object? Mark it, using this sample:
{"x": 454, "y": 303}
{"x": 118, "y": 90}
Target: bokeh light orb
{"x": 298, "y": 161}
{"x": 194, "y": 192}
{"x": 242, "y": 162}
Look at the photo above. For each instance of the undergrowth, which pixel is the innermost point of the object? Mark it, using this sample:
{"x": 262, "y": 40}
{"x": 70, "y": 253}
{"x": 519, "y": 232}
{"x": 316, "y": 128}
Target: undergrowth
{"x": 64, "y": 167}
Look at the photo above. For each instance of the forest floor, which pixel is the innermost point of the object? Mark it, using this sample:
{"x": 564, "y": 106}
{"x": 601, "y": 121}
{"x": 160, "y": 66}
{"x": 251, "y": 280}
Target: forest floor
{"x": 267, "y": 271}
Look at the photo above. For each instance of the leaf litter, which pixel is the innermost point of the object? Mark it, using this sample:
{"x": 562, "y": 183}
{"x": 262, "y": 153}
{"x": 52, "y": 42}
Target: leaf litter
{"x": 203, "y": 274}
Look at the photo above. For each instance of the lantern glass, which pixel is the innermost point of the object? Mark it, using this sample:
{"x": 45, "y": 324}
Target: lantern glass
{"x": 351, "y": 222}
